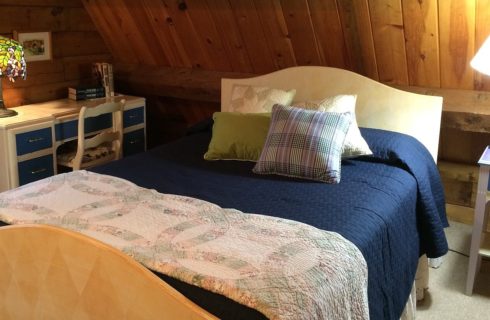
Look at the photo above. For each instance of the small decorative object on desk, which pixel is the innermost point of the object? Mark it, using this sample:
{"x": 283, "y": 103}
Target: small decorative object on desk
{"x": 86, "y": 92}
{"x": 485, "y": 157}
{"x": 103, "y": 73}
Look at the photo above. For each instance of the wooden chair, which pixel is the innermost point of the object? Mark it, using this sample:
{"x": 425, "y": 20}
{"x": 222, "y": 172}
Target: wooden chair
{"x": 100, "y": 148}
{"x": 53, "y": 273}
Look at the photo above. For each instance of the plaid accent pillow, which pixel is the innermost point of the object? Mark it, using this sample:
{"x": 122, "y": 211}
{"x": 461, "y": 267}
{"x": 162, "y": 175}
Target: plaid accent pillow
{"x": 354, "y": 144}
{"x": 304, "y": 144}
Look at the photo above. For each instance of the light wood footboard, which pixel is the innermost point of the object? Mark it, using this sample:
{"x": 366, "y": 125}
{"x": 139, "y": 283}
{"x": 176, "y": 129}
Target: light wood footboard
{"x": 52, "y": 273}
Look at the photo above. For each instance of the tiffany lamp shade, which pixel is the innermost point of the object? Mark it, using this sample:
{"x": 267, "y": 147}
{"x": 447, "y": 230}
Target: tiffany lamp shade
{"x": 12, "y": 65}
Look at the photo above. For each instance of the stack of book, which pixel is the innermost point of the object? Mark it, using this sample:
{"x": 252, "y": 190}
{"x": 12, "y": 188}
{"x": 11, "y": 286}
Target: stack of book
{"x": 103, "y": 72}
{"x": 86, "y": 92}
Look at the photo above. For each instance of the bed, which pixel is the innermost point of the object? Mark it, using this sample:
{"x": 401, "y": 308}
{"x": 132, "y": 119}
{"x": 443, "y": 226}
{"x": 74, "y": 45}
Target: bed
{"x": 389, "y": 205}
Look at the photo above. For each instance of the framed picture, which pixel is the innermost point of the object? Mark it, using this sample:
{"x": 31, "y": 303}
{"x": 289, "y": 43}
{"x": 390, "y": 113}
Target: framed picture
{"x": 37, "y": 45}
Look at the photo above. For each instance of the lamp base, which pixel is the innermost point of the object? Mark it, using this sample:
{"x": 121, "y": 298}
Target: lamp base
{"x": 4, "y": 113}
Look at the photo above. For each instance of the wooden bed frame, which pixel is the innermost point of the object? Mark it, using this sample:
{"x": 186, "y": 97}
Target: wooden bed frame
{"x": 49, "y": 272}
{"x": 377, "y": 105}
{"x": 53, "y": 273}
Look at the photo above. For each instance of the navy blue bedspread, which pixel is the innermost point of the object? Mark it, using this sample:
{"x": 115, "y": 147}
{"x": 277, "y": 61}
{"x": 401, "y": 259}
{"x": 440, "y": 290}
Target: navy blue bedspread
{"x": 390, "y": 205}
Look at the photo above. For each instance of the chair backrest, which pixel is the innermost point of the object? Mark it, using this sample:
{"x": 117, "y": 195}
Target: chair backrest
{"x": 113, "y": 135}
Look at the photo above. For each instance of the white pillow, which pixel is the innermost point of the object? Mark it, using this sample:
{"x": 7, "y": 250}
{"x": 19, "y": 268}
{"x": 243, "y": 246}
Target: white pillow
{"x": 250, "y": 99}
{"x": 354, "y": 144}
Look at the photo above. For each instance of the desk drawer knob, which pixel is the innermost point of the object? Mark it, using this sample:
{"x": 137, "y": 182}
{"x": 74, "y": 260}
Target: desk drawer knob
{"x": 41, "y": 170}
{"x": 134, "y": 141}
{"x": 32, "y": 140}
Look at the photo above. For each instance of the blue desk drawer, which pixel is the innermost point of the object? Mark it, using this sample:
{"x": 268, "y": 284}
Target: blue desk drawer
{"x": 69, "y": 129}
{"x": 134, "y": 142}
{"x": 31, "y": 141}
{"x": 133, "y": 117}
{"x": 35, "y": 169}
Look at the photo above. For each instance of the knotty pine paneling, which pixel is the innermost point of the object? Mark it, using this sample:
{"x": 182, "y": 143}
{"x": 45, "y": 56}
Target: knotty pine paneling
{"x": 199, "y": 18}
{"x": 411, "y": 42}
{"x": 224, "y": 18}
{"x": 423, "y": 43}
{"x": 389, "y": 41}
{"x": 276, "y": 30}
{"x": 76, "y": 44}
{"x": 301, "y": 32}
{"x": 253, "y": 35}
{"x": 174, "y": 52}
{"x": 457, "y": 42}
{"x": 165, "y": 37}
{"x": 326, "y": 22}
{"x": 422, "y": 47}
{"x": 482, "y": 30}
{"x": 358, "y": 37}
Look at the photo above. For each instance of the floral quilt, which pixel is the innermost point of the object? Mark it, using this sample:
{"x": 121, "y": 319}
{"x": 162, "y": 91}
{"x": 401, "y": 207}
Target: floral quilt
{"x": 282, "y": 268}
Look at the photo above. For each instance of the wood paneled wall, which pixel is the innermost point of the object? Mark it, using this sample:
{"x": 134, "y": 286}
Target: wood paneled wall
{"x": 174, "y": 52}
{"x": 161, "y": 47}
{"x": 76, "y": 43}
{"x": 425, "y": 43}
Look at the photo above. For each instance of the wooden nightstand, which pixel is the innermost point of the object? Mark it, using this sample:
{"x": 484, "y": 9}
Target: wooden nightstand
{"x": 480, "y": 239}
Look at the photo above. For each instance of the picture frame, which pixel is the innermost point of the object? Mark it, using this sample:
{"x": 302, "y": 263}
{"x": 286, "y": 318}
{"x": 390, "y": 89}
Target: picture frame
{"x": 37, "y": 45}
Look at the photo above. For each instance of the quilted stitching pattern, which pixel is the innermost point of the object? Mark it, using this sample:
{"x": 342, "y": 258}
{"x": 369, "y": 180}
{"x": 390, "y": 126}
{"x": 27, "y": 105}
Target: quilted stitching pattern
{"x": 375, "y": 206}
{"x": 248, "y": 99}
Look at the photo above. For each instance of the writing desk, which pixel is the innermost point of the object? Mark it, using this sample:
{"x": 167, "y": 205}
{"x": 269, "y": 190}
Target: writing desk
{"x": 29, "y": 140}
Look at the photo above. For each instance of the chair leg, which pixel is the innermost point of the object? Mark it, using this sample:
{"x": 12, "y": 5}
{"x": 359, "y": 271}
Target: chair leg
{"x": 474, "y": 254}
{"x": 485, "y": 217}
{"x": 484, "y": 229}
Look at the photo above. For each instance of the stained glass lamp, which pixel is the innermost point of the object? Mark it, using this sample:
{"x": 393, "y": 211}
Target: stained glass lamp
{"x": 12, "y": 65}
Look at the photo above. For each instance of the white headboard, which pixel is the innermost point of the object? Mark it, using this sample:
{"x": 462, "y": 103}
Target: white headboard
{"x": 378, "y": 106}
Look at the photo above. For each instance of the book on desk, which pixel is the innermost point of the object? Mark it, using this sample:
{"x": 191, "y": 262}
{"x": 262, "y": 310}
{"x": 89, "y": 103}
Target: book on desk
{"x": 104, "y": 75}
{"x": 86, "y": 92}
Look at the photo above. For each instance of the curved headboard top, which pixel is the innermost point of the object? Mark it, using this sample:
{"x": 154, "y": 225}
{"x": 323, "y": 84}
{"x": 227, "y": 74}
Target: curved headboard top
{"x": 378, "y": 105}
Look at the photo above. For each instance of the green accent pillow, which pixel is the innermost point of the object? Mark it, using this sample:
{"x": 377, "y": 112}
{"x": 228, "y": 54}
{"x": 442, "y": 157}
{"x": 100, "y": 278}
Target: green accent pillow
{"x": 238, "y": 136}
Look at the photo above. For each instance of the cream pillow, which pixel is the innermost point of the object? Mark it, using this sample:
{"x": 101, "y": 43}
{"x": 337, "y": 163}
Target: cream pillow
{"x": 354, "y": 144}
{"x": 249, "y": 99}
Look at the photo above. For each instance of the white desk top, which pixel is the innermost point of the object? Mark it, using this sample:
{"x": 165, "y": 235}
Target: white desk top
{"x": 49, "y": 110}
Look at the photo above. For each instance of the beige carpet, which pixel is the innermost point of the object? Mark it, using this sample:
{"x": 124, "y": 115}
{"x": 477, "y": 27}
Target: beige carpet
{"x": 445, "y": 298}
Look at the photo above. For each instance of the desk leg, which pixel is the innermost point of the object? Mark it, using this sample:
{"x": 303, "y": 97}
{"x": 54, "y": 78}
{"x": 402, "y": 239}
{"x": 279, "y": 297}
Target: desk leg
{"x": 478, "y": 227}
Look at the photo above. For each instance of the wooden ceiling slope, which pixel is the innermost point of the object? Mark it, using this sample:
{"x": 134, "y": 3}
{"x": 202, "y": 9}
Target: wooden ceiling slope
{"x": 76, "y": 44}
{"x": 426, "y": 43}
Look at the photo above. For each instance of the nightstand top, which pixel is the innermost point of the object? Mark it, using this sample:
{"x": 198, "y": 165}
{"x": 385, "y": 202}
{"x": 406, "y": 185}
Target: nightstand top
{"x": 485, "y": 157}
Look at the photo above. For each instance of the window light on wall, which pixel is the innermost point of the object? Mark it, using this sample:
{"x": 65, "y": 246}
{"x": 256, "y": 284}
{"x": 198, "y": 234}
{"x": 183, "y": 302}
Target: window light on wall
{"x": 481, "y": 61}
